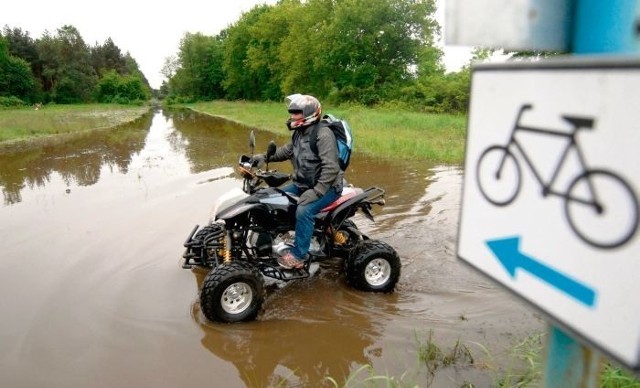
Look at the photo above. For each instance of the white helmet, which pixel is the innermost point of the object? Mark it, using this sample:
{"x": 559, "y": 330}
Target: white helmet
{"x": 309, "y": 106}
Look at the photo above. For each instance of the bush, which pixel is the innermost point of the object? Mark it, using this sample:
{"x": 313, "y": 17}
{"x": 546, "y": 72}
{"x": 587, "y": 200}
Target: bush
{"x": 11, "y": 102}
{"x": 119, "y": 89}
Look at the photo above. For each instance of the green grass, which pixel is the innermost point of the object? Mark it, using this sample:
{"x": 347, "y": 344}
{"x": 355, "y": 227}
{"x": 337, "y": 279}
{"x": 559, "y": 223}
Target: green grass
{"x": 613, "y": 377}
{"x": 27, "y": 123}
{"x": 525, "y": 367}
{"x": 385, "y": 132}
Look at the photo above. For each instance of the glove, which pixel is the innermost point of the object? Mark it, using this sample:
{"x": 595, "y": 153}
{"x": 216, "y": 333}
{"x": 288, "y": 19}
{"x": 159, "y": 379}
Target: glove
{"x": 258, "y": 160}
{"x": 307, "y": 197}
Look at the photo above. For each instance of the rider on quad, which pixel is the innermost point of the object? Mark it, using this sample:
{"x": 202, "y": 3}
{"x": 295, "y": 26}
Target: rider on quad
{"x": 317, "y": 178}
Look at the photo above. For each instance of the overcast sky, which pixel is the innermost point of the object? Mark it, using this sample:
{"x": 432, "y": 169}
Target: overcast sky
{"x": 149, "y": 32}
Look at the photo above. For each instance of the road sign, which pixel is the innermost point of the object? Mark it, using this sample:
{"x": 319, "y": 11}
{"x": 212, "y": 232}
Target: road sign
{"x": 550, "y": 202}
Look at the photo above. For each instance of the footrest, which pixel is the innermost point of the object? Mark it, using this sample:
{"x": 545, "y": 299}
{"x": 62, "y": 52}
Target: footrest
{"x": 279, "y": 273}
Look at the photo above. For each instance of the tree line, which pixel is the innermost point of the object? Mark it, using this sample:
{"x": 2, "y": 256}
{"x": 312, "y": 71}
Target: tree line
{"x": 61, "y": 68}
{"x": 343, "y": 51}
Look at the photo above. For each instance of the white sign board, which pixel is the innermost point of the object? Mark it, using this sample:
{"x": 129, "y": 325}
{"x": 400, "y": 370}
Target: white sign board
{"x": 551, "y": 188}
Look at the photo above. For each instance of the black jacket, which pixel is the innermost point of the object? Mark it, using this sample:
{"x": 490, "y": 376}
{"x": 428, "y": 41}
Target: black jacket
{"x": 310, "y": 171}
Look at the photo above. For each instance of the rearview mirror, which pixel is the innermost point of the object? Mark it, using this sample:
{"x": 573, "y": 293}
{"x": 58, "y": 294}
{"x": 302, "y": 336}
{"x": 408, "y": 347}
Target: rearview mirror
{"x": 252, "y": 141}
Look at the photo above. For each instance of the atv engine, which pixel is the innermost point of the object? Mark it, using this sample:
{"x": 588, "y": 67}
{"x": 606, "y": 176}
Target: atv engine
{"x": 265, "y": 245}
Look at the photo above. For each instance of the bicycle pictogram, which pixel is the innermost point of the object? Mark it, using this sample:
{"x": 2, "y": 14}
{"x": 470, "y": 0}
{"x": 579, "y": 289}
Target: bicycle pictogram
{"x": 600, "y": 206}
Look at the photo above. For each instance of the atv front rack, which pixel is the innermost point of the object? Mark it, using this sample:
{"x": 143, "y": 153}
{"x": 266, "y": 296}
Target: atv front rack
{"x": 200, "y": 246}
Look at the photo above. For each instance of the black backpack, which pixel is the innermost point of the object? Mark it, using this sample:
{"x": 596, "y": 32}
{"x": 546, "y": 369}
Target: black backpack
{"x": 344, "y": 138}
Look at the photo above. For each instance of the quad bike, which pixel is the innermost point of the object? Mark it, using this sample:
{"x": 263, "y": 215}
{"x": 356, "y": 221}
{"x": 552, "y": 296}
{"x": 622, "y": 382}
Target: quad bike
{"x": 251, "y": 227}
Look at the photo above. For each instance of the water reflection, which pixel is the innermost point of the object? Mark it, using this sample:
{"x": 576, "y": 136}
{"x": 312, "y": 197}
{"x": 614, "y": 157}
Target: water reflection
{"x": 78, "y": 161}
{"x": 211, "y": 142}
{"x": 300, "y": 340}
{"x": 194, "y": 141}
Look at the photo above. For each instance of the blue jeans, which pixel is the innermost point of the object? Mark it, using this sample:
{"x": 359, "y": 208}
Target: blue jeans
{"x": 305, "y": 218}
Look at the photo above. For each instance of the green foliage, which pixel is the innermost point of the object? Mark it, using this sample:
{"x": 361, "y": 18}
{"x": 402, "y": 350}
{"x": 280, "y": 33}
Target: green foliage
{"x": 120, "y": 89}
{"x": 367, "y": 52}
{"x": 108, "y": 57}
{"x": 301, "y": 54}
{"x": 613, "y": 377}
{"x": 370, "y": 45}
{"x": 61, "y": 68}
{"x": 16, "y": 79}
{"x": 69, "y": 76}
{"x": 239, "y": 83}
{"x": 20, "y": 44}
{"x": 198, "y": 69}
{"x": 263, "y": 58}
{"x": 11, "y": 102}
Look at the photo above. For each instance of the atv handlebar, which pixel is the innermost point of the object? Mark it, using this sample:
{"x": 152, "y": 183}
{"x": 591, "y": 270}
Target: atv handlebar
{"x": 253, "y": 179}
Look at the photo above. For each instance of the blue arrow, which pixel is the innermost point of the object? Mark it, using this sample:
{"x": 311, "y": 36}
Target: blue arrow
{"x": 507, "y": 250}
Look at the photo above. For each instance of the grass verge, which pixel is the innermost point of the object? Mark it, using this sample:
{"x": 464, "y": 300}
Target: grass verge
{"x": 386, "y": 132}
{"x": 26, "y": 124}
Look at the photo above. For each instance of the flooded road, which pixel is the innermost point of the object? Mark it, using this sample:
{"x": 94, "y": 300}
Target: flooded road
{"x": 92, "y": 292}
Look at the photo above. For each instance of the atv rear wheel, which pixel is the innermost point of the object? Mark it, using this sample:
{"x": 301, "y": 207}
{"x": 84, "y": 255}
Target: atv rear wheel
{"x": 232, "y": 293}
{"x": 374, "y": 267}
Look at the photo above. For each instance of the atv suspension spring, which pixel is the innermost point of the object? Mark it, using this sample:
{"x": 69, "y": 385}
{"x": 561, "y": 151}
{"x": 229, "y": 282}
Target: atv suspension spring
{"x": 227, "y": 247}
{"x": 340, "y": 237}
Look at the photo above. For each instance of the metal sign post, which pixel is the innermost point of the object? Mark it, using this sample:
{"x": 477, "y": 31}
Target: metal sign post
{"x": 551, "y": 194}
{"x": 598, "y": 27}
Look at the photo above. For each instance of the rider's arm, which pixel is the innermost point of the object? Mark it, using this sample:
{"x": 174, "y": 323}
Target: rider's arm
{"x": 282, "y": 153}
{"x": 328, "y": 154}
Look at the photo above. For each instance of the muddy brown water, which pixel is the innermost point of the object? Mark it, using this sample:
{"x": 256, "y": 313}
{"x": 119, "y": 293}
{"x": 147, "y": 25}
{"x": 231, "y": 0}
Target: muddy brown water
{"x": 92, "y": 292}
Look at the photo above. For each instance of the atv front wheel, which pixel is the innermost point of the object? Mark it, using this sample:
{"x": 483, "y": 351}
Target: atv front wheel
{"x": 232, "y": 293}
{"x": 374, "y": 267}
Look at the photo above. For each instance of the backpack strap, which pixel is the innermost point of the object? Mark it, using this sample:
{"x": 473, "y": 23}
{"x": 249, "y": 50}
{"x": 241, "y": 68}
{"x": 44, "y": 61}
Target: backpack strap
{"x": 313, "y": 136}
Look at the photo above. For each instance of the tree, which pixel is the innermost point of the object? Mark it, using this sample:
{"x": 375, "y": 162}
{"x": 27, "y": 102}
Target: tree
{"x": 371, "y": 45}
{"x": 132, "y": 68}
{"x": 63, "y": 68}
{"x": 302, "y": 53}
{"x": 16, "y": 78}
{"x": 240, "y": 83}
{"x": 264, "y": 59}
{"x": 213, "y": 77}
{"x": 199, "y": 73}
{"x": 124, "y": 89}
{"x": 20, "y": 44}
{"x": 365, "y": 51}
{"x": 67, "y": 71}
{"x": 170, "y": 66}
{"x": 108, "y": 57}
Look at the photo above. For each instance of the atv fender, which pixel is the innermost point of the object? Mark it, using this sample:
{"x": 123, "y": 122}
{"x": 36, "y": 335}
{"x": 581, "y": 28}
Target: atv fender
{"x": 362, "y": 201}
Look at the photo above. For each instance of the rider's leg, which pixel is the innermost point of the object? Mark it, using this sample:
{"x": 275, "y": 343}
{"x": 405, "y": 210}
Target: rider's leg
{"x": 292, "y": 189}
{"x": 305, "y": 221}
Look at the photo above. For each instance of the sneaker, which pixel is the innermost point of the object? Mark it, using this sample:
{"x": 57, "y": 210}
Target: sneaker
{"x": 289, "y": 261}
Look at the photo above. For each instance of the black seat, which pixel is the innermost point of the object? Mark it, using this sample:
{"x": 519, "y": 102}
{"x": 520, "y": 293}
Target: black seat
{"x": 579, "y": 122}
